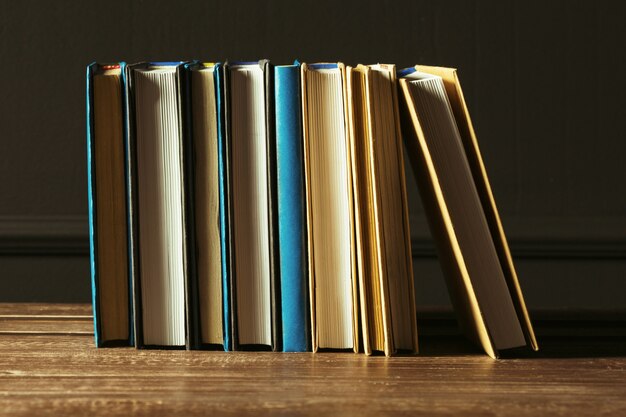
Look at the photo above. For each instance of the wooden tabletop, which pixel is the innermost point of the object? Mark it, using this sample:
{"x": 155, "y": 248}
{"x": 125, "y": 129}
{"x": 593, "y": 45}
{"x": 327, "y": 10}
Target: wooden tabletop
{"x": 49, "y": 366}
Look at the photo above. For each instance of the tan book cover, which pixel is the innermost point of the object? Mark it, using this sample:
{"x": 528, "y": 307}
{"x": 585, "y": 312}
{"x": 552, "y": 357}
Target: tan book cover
{"x": 385, "y": 272}
{"x": 454, "y": 262}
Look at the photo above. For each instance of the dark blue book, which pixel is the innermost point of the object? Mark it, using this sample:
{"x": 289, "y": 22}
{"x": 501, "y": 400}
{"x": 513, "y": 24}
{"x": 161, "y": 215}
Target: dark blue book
{"x": 107, "y": 201}
{"x": 291, "y": 209}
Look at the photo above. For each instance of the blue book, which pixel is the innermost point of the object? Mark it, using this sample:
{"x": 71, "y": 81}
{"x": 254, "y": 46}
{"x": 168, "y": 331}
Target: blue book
{"x": 291, "y": 209}
{"x": 224, "y": 207}
{"x": 107, "y": 202}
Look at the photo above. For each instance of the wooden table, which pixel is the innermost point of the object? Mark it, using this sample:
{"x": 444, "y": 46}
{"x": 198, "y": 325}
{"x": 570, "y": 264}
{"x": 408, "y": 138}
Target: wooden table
{"x": 49, "y": 366}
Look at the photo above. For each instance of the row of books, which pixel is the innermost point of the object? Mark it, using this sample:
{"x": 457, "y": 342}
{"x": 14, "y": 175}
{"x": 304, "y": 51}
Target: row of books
{"x": 243, "y": 206}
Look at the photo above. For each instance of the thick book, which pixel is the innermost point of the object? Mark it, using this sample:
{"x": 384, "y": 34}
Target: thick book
{"x": 383, "y": 241}
{"x": 157, "y": 213}
{"x": 251, "y": 161}
{"x": 108, "y": 239}
{"x": 330, "y": 216}
{"x": 291, "y": 209}
{"x": 461, "y": 210}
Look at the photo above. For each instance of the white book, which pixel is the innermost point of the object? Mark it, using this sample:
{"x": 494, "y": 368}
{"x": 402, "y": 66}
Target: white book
{"x": 159, "y": 199}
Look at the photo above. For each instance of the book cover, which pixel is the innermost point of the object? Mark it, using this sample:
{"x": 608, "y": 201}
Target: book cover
{"x": 191, "y": 282}
{"x": 100, "y": 340}
{"x": 291, "y": 209}
{"x": 223, "y": 146}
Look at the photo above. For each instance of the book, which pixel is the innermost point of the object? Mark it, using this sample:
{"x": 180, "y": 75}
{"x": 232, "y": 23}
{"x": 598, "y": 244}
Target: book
{"x": 156, "y": 184}
{"x": 205, "y": 291}
{"x": 461, "y": 210}
{"x": 252, "y": 176}
{"x": 383, "y": 241}
{"x": 108, "y": 244}
{"x": 291, "y": 209}
{"x": 223, "y": 169}
{"x": 330, "y": 216}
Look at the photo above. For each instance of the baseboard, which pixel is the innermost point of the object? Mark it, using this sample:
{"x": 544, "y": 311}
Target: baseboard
{"x": 68, "y": 236}
{"x": 44, "y": 236}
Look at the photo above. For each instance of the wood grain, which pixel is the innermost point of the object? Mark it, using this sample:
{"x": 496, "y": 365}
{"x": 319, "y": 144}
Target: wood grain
{"x": 60, "y": 372}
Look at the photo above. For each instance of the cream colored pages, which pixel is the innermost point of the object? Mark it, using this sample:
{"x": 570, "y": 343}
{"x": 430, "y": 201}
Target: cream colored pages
{"x": 365, "y": 226}
{"x": 251, "y": 205}
{"x": 208, "y": 257}
{"x": 387, "y": 170}
{"x": 160, "y": 196}
{"x": 328, "y": 189}
{"x": 112, "y": 256}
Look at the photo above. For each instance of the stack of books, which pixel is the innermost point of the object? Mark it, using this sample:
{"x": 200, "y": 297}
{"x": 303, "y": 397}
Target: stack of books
{"x": 247, "y": 206}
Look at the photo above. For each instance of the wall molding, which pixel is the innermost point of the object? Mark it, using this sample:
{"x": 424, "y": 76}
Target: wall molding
{"x": 44, "y": 236}
{"x": 68, "y": 236}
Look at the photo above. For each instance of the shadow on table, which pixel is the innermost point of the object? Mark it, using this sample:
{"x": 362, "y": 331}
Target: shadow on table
{"x": 559, "y": 334}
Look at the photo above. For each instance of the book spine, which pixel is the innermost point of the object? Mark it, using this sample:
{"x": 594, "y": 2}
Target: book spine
{"x": 92, "y": 205}
{"x": 222, "y": 167}
{"x": 291, "y": 206}
{"x": 192, "y": 313}
{"x": 125, "y": 130}
{"x": 131, "y": 204}
{"x": 272, "y": 187}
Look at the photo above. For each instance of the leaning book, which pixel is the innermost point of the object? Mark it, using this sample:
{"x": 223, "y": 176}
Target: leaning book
{"x": 461, "y": 211}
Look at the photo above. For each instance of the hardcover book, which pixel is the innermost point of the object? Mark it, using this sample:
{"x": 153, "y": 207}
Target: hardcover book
{"x": 206, "y": 292}
{"x": 383, "y": 241}
{"x": 291, "y": 209}
{"x": 330, "y": 215}
{"x": 108, "y": 240}
{"x": 461, "y": 210}
{"x": 156, "y": 184}
{"x": 251, "y": 156}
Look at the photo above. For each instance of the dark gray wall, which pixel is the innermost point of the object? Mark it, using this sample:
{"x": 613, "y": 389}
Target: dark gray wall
{"x": 543, "y": 80}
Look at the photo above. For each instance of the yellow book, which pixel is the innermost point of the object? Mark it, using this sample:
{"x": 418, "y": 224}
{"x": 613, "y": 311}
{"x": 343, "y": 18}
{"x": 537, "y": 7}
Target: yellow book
{"x": 385, "y": 271}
